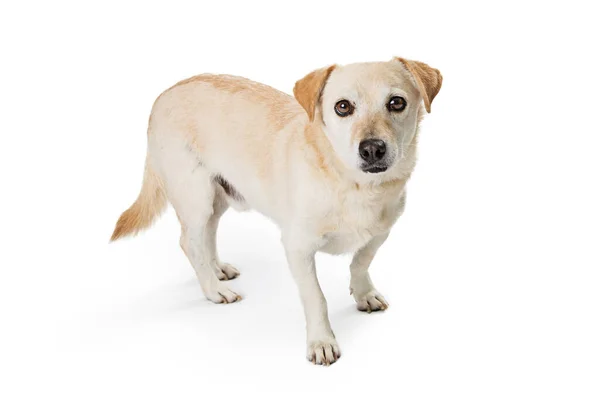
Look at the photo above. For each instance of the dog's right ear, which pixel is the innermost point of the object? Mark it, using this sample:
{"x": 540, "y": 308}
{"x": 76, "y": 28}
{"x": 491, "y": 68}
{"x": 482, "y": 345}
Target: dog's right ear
{"x": 308, "y": 89}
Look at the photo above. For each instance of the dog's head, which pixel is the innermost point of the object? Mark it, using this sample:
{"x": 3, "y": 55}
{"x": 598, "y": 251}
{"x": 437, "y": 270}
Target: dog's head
{"x": 369, "y": 111}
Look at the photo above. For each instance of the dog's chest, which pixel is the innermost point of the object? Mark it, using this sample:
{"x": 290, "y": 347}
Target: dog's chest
{"x": 354, "y": 217}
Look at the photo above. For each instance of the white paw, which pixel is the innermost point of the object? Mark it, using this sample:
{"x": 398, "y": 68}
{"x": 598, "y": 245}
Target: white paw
{"x": 371, "y": 301}
{"x": 221, "y": 294}
{"x": 323, "y": 352}
{"x": 226, "y": 272}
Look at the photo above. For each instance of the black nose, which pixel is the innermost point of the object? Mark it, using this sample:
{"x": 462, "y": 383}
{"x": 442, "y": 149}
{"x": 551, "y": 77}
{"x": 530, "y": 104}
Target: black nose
{"x": 372, "y": 150}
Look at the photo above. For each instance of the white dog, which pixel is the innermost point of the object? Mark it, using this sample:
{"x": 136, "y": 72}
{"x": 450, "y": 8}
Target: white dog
{"x": 330, "y": 169}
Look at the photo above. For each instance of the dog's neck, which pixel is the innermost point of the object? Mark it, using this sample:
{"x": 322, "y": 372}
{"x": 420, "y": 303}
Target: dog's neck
{"x": 322, "y": 152}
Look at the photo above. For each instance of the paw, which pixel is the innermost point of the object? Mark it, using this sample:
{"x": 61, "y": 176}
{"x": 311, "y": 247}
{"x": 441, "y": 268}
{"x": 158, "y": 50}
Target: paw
{"x": 226, "y": 272}
{"x": 371, "y": 301}
{"x": 222, "y": 295}
{"x": 323, "y": 352}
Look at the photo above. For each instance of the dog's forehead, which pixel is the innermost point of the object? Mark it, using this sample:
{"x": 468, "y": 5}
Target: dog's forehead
{"x": 369, "y": 79}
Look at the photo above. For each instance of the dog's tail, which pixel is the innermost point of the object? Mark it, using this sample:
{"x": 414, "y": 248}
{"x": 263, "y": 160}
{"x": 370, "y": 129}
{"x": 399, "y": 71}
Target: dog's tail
{"x": 150, "y": 203}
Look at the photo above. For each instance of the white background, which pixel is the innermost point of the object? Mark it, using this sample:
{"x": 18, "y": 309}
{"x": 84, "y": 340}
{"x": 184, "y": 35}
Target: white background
{"x": 493, "y": 273}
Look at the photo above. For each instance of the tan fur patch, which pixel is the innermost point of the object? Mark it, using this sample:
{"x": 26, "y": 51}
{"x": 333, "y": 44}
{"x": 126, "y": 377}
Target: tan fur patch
{"x": 278, "y": 102}
{"x": 429, "y": 80}
{"x": 320, "y": 146}
{"x": 371, "y": 127}
{"x": 308, "y": 89}
{"x": 151, "y": 201}
{"x": 228, "y": 83}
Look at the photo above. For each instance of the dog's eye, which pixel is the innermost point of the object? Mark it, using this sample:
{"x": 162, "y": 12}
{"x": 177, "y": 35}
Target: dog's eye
{"x": 396, "y": 104}
{"x": 343, "y": 108}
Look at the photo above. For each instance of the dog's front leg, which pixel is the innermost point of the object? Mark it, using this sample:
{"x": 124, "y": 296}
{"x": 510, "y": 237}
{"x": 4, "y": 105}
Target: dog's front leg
{"x": 367, "y": 297}
{"x": 322, "y": 346}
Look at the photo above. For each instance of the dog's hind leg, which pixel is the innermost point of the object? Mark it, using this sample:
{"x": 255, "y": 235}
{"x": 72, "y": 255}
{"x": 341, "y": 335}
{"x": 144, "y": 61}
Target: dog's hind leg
{"x": 198, "y": 227}
{"x": 223, "y": 270}
{"x": 192, "y": 191}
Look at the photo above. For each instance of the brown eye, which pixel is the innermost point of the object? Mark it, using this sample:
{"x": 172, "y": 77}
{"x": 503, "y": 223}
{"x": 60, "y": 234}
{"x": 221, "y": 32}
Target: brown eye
{"x": 343, "y": 108}
{"x": 396, "y": 104}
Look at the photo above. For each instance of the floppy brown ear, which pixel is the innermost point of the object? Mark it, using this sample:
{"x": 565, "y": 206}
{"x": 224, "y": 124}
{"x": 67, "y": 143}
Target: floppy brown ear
{"x": 308, "y": 89}
{"x": 429, "y": 80}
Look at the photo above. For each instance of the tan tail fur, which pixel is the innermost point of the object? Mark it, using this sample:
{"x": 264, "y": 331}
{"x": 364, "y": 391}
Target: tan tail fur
{"x": 150, "y": 203}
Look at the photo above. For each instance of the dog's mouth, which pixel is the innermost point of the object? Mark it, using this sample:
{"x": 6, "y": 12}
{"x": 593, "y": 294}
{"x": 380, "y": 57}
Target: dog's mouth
{"x": 374, "y": 169}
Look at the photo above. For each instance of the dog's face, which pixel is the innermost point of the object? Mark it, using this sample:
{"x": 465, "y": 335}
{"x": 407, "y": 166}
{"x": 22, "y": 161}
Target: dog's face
{"x": 370, "y": 111}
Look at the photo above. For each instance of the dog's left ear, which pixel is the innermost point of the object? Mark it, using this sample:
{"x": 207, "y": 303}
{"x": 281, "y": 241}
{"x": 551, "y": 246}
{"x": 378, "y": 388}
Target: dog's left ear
{"x": 308, "y": 89}
{"x": 429, "y": 80}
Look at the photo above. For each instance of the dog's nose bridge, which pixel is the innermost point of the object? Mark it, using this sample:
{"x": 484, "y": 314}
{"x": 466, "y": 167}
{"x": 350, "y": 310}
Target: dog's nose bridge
{"x": 375, "y": 125}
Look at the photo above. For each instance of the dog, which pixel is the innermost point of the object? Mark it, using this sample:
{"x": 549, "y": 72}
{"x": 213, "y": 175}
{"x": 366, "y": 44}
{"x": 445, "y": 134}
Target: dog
{"x": 329, "y": 166}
